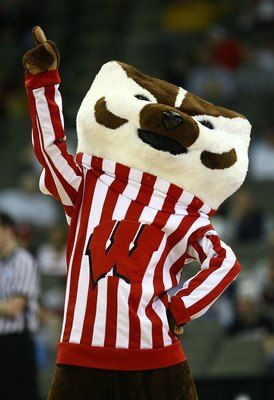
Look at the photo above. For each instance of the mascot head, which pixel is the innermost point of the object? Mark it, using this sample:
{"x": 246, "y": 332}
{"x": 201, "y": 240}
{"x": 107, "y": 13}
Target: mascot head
{"x": 162, "y": 129}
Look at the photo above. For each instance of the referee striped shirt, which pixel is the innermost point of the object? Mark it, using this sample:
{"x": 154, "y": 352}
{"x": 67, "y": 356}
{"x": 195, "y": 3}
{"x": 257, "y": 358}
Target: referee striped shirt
{"x": 18, "y": 277}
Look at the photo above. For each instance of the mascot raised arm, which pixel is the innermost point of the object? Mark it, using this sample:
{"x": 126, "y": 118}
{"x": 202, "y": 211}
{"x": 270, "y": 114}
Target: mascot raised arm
{"x": 153, "y": 164}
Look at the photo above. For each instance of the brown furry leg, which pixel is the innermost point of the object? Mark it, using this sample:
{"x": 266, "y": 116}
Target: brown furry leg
{"x": 171, "y": 383}
{"x": 79, "y": 383}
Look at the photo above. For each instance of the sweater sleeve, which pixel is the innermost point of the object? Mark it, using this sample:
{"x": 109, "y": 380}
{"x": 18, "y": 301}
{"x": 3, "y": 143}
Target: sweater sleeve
{"x": 219, "y": 267}
{"x": 61, "y": 176}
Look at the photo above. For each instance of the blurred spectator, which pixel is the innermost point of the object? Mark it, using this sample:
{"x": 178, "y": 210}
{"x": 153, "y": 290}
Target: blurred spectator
{"x": 26, "y": 204}
{"x": 227, "y": 52}
{"x": 52, "y": 264}
{"x": 210, "y": 81}
{"x": 262, "y": 156}
{"x": 264, "y": 55}
{"x": 263, "y": 276}
{"x": 52, "y": 254}
{"x": 247, "y": 221}
{"x": 249, "y": 318}
{"x": 18, "y": 316}
{"x": 265, "y": 12}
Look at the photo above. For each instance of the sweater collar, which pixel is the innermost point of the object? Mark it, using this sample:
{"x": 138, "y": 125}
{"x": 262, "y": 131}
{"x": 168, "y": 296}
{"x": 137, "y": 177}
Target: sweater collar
{"x": 156, "y": 193}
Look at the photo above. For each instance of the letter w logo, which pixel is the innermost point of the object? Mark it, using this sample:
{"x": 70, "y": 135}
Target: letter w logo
{"x": 122, "y": 249}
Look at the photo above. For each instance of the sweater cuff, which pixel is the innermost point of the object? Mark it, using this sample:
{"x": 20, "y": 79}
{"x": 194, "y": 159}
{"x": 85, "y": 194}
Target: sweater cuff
{"x": 46, "y": 78}
{"x": 179, "y": 311}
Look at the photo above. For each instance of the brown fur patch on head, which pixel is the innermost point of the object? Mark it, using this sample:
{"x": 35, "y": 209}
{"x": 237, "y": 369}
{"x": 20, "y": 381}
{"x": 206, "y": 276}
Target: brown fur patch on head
{"x": 151, "y": 119}
{"x": 105, "y": 117}
{"x": 219, "y": 161}
{"x": 194, "y": 105}
{"x": 164, "y": 92}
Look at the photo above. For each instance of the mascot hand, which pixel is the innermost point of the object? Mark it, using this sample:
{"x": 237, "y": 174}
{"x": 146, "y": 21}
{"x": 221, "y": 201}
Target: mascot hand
{"x": 177, "y": 330}
{"x": 44, "y": 57}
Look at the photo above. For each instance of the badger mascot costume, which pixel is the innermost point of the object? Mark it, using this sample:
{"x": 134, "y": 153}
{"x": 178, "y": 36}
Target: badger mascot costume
{"x": 154, "y": 161}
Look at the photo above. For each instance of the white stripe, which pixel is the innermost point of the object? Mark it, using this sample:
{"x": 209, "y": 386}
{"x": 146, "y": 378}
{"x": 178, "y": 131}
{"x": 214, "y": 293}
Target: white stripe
{"x": 122, "y": 330}
{"x": 147, "y": 293}
{"x": 61, "y": 191}
{"x": 99, "y": 328}
{"x": 161, "y": 311}
{"x": 161, "y": 185}
{"x": 208, "y": 249}
{"x": 58, "y": 101}
{"x": 98, "y": 199}
{"x": 200, "y": 313}
{"x": 42, "y": 183}
{"x": 159, "y": 194}
{"x": 213, "y": 279}
{"x": 86, "y": 160}
{"x": 180, "y": 97}
{"x": 132, "y": 189}
{"x": 52, "y": 150}
{"x": 178, "y": 250}
{"x": 172, "y": 224}
{"x": 182, "y": 203}
{"x": 109, "y": 167}
{"x": 205, "y": 209}
{"x": 148, "y": 215}
{"x": 71, "y": 261}
{"x": 68, "y": 218}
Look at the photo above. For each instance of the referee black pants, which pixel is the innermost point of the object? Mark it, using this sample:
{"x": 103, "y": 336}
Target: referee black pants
{"x": 18, "y": 374}
{"x": 80, "y": 383}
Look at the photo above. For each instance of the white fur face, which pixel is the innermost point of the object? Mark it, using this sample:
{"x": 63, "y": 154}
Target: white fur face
{"x": 165, "y": 131}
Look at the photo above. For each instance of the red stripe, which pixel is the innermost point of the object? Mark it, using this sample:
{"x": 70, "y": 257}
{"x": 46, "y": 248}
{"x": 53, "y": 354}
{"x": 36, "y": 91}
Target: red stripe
{"x": 106, "y": 214}
{"x": 59, "y": 135}
{"x": 55, "y": 116}
{"x": 173, "y": 193}
{"x": 111, "y": 316}
{"x": 214, "y": 264}
{"x": 49, "y": 181}
{"x": 42, "y": 79}
{"x": 200, "y": 251}
{"x": 37, "y": 135}
{"x": 79, "y": 250}
{"x": 36, "y": 142}
{"x": 119, "y": 359}
{"x": 158, "y": 282}
{"x": 134, "y": 211}
{"x": 217, "y": 291}
{"x": 117, "y": 187}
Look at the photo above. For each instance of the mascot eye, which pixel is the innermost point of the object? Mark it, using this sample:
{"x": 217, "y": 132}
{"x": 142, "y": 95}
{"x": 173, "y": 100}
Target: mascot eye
{"x": 207, "y": 124}
{"x": 141, "y": 97}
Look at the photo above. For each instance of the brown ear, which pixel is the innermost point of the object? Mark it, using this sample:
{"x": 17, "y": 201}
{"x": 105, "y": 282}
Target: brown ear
{"x": 105, "y": 117}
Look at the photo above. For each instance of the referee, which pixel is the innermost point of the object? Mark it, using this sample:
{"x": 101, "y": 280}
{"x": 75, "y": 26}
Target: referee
{"x": 18, "y": 316}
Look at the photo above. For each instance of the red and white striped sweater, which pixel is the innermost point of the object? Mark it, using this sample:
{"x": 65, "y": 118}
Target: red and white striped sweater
{"x": 130, "y": 234}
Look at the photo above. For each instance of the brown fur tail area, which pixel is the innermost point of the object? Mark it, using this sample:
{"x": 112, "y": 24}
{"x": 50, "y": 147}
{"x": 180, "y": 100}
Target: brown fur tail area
{"x": 81, "y": 383}
{"x": 219, "y": 161}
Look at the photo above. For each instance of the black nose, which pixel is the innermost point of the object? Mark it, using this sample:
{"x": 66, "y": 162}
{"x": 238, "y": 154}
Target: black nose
{"x": 171, "y": 119}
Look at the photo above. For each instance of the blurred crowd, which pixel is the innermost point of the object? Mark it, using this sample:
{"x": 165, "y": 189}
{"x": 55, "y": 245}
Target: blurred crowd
{"x": 221, "y": 50}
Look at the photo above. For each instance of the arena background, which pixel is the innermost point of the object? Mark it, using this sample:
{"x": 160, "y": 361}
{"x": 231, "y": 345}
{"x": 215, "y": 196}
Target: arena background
{"x": 221, "y": 50}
